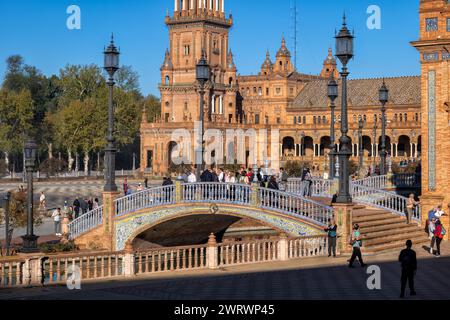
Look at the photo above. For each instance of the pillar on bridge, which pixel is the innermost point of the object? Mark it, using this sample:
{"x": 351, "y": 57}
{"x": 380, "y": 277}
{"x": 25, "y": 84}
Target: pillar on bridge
{"x": 109, "y": 213}
{"x": 343, "y": 218}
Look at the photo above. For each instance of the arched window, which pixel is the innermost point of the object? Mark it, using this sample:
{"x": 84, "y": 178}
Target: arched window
{"x": 416, "y": 117}
{"x": 354, "y": 118}
{"x": 295, "y": 120}
{"x": 401, "y": 117}
{"x": 319, "y": 120}
{"x": 167, "y": 80}
{"x": 365, "y": 118}
{"x": 406, "y": 117}
{"x": 375, "y": 117}
{"x": 314, "y": 120}
{"x": 299, "y": 119}
{"x": 230, "y": 81}
{"x": 304, "y": 119}
{"x": 395, "y": 117}
{"x": 167, "y": 104}
{"x": 324, "y": 119}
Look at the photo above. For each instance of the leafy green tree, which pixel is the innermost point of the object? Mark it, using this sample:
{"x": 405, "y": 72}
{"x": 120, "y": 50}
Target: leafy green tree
{"x": 16, "y": 115}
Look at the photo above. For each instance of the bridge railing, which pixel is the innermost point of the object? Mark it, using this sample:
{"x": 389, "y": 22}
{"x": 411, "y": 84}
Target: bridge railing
{"x": 308, "y": 247}
{"x": 148, "y": 198}
{"x": 11, "y": 273}
{"x": 407, "y": 180}
{"x": 318, "y": 187}
{"x": 214, "y": 192}
{"x": 170, "y": 259}
{"x": 383, "y": 199}
{"x": 86, "y": 222}
{"x": 295, "y": 205}
{"x": 376, "y": 182}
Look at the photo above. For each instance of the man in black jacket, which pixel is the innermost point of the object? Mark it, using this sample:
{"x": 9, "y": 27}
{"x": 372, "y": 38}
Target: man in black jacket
{"x": 408, "y": 261}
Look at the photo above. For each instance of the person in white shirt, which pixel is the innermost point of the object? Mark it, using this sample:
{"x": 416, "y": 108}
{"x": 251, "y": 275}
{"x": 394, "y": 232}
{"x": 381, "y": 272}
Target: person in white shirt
{"x": 439, "y": 212}
{"x": 140, "y": 188}
{"x": 42, "y": 201}
{"x": 192, "y": 178}
{"x": 221, "y": 175}
{"x": 56, "y": 215}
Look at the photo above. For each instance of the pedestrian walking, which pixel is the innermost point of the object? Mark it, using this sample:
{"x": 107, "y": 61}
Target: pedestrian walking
{"x": 96, "y": 204}
{"x": 76, "y": 207}
{"x": 42, "y": 201}
{"x": 332, "y": 235}
{"x": 408, "y": 261}
{"x": 356, "y": 243}
{"x": 439, "y": 233}
{"x": 125, "y": 186}
{"x": 146, "y": 183}
{"x": 431, "y": 227}
{"x": 56, "y": 215}
{"x": 411, "y": 204}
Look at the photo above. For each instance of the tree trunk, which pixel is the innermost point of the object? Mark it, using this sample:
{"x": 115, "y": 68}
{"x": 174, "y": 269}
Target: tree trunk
{"x": 6, "y": 160}
{"x": 77, "y": 162}
{"x": 98, "y": 163}
{"x": 50, "y": 151}
{"x": 70, "y": 160}
{"x": 86, "y": 164}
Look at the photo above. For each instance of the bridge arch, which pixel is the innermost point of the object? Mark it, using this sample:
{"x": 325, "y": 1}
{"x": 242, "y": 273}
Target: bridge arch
{"x": 129, "y": 227}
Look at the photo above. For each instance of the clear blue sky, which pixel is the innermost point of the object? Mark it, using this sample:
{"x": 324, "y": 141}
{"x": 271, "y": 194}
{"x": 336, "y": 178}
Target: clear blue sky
{"x": 36, "y": 29}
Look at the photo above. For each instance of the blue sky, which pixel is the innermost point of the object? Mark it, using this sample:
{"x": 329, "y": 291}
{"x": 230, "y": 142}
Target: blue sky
{"x": 36, "y": 29}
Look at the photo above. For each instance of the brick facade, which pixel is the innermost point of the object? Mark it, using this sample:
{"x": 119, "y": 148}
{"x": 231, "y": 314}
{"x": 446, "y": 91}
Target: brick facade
{"x": 277, "y": 97}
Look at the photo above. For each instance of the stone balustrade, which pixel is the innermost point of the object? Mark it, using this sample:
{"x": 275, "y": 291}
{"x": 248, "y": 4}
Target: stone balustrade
{"x": 40, "y": 269}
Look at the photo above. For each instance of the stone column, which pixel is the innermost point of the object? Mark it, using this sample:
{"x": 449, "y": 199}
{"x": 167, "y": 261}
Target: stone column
{"x": 128, "y": 261}
{"x": 343, "y": 218}
{"x": 32, "y": 270}
{"x": 178, "y": 192}
{"x": 283, "y": 247}
{"x": 212, "y": 252}
{"x": 109, "y": 214}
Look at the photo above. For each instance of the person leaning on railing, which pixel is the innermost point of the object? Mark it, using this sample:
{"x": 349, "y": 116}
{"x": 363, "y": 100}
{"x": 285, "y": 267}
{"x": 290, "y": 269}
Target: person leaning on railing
{"x": 411, "y": 204}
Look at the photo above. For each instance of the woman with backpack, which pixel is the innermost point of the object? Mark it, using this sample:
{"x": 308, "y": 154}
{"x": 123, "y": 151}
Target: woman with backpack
{"x": 439, "y": 233}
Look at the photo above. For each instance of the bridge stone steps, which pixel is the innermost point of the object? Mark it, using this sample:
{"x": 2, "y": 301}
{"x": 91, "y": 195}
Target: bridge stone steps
{"x": 383, "y": 227}
{"x": 383, "y": 221}
{"x": 391, "y": 238}
{"x": 400, "y": 229}
{"x": 386, "y": 231}
{"x": 373, "y": 217}
{"x": 396, "y": 245}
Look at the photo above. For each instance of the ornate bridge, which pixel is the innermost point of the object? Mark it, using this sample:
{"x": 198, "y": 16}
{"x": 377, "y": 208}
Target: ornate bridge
{"x": 129, "y": 216}
{"x": 119, "y": 221}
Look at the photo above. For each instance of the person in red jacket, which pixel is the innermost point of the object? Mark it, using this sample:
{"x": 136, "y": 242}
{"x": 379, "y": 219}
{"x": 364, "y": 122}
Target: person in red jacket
{"x": 438, "y": 236}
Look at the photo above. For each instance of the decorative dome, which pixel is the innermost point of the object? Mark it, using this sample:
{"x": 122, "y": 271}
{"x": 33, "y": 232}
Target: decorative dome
{"x": 330, "y": 58}
{"x": 267, "y": 63}
{"x": 283, "y": 52}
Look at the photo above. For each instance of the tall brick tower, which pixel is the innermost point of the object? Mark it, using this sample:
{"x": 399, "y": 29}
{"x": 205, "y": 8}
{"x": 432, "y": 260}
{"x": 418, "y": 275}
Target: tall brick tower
{"x": 434, "y": 48}
{"x": 197, "y": 24}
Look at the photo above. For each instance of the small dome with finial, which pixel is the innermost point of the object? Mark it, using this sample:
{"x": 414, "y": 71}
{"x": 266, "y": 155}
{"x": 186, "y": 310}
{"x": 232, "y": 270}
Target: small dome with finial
{"x": 283, "y": 52}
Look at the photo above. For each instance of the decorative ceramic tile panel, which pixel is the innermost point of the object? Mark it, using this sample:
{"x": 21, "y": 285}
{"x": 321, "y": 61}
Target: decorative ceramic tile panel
{"x": 432, "y": 130}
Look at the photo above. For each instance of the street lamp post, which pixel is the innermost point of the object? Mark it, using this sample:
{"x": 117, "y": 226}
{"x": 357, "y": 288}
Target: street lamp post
{"x": 332, "y": 94}
{"x": 361, "y": 149}
{"x": 203, "y": 74}
{"x": 344, "y": 51}
{"x": 384, "y": 98}
{"x": 30, "y": 240}
{"x": 375, "y": 146}
{"x": 111, "y": 66}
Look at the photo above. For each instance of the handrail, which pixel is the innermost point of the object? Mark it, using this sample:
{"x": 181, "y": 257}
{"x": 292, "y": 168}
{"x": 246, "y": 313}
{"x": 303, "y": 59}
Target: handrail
{"x": 85, "y": 222}
{"x": 295, "y": 205}
{"x": 216, "y": 192}
{"x": 319, "y": 187}
{"x": 376, "y": 182}
{"x": 147, "y": 198}
{"x": 383, "y": 199}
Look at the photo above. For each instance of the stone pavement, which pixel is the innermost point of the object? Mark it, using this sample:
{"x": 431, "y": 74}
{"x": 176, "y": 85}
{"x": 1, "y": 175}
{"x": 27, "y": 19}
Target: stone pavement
{"x": 307, "y": 279}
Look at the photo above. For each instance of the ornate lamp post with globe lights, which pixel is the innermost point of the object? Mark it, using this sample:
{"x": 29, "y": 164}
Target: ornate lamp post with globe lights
{"x": 30, "y": 240}
{"x": 384, "y": 98}
{"x": 111, "y": 66}
{"x": 332, "y": 94}
{"x": 344, "y": 52}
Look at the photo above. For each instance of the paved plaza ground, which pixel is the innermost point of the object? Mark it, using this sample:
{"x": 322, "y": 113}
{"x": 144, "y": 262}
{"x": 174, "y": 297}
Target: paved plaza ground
{"x": 307, "y": 279}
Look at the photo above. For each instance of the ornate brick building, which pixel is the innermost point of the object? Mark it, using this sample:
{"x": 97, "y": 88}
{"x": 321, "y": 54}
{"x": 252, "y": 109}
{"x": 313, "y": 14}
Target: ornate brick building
{"x": 277, "y": 97}
{"x": 434, "y": 45}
